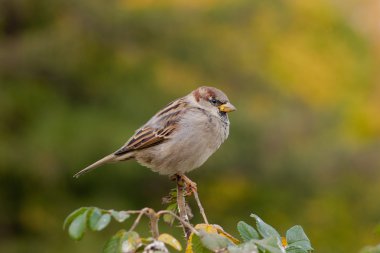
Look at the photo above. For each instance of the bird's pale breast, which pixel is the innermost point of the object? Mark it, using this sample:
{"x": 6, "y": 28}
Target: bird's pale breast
{"x": 199, "y": 136}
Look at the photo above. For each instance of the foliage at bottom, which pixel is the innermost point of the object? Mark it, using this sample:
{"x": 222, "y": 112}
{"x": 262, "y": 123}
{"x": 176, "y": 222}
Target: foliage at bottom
{"x": 256, "y": 237}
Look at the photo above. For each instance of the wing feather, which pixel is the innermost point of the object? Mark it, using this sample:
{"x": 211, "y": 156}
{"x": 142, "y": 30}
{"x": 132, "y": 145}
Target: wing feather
{"x": 157, "y": 130}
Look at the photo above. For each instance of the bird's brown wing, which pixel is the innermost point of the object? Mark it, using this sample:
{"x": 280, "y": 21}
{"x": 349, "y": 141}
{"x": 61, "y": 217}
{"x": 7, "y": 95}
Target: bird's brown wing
{"x": 144, "y": 138}
{"x": 157, "y": 130}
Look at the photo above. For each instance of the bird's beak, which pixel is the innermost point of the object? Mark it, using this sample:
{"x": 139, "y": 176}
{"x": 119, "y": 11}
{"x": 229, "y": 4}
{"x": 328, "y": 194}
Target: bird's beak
{"x": 227, "y": 107}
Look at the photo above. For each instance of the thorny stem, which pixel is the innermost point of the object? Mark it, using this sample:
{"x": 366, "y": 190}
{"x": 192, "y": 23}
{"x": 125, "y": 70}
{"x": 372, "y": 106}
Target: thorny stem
{"x": 153, "y": 218}
{"x": 182, "y": 183}
{"x": 181, "y": 202}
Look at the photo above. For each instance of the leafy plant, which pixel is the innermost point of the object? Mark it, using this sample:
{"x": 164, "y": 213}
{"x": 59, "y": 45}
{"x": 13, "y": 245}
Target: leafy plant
{"x": 204, "y": 238}
{"x": 371, "y": 249}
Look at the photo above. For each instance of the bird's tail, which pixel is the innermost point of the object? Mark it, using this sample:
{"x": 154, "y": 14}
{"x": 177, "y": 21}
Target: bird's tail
{"x": 107, "y": 159}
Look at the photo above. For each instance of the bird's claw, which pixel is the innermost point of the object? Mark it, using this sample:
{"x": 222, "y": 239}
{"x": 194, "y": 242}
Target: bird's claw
{"x": 190, "y": 186}
{"x": 187, "y": 183}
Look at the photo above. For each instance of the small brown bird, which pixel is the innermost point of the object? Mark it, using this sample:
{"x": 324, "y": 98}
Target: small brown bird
{"x": 180, "y": 137}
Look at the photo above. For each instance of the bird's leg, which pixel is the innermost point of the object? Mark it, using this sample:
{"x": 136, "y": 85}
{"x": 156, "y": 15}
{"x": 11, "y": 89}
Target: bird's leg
{"x": 181, "y": 203}
{"x": 191, "y": 187}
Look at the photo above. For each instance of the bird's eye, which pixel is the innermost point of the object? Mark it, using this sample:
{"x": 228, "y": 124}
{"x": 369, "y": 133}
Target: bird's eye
{"x": 213, "y": 101}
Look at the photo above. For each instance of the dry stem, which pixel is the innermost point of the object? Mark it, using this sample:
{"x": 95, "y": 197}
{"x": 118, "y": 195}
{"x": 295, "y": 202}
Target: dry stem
{"x": 181, "y": 202}
{"x": 201, "y": 210}
{"x": 155, "y": 216}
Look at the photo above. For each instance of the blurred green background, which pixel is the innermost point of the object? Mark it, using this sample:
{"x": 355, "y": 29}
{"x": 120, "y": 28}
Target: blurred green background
{"x": 78, "y": 77}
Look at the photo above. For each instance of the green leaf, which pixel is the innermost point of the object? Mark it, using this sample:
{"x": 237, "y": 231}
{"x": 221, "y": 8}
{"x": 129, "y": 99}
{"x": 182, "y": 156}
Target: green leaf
{"x": 264, "y": 229}
{"x": 371, "y": 249}
{"x": 270, "y": 244}
{"x": 102, "y": 222}
{"x": 94, "y": 216}
{"x": 213, "y": 241}
{"x": 168, "y": 218}
{"x": 297, "y": 238}
{"x": 122, "y": 241}
{"x": 197, "y": 246}
{"x": 120, "y": 216}
{"x": 248, "y": 247}
{"x": 78, "y": 226}
{"x": 295, "y": 249}
{"x": 73, "y": 215}
{"x": 114, "y": 244}
{"x": 247, "y": 232}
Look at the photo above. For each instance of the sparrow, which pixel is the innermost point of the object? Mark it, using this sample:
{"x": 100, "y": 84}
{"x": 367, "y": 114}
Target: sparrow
{"x": 180, "y": 137}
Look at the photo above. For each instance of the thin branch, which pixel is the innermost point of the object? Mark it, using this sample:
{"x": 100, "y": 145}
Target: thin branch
{"x": 201, "y": 210}
{"x": 193, "y": 188}
{"x": 141, "y": 213}
{"x": 184, "y": 223}
{"x": 136, "y": 211}
{"x": 154, "y": 217}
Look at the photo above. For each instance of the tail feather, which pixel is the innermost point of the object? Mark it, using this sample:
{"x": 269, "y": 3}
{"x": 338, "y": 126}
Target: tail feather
{"x": 107, "y": 159}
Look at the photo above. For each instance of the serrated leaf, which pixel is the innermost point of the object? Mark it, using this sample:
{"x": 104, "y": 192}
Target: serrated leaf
{"x": 264, "y": 229}
{"x": 248, "y": 247}
{"x": 119, "y": 216}
{"x": 73, "y": 215}
{"x": 170, "y": 240}
{"x": 114, "y": 244}
{"x": 221, "y": 232}
{"x": 271, "y": 244}
{"x": 247, "y": 232}
{"x": 102, "y": 222}
{"x": 297, "y": 238}
{"x": 214, "y": 241}
{"x": 78, "y": 226}
{"x": 208, "y": 228}
{"x": 295, "y": 249}
{"x": 195, "y": 245}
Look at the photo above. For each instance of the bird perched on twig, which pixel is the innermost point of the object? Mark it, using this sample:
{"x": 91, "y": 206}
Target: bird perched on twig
{"x": 180, "y": 137}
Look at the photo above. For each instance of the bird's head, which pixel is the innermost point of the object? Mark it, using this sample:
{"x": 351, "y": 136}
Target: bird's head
{"x": 213, "y": 100}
